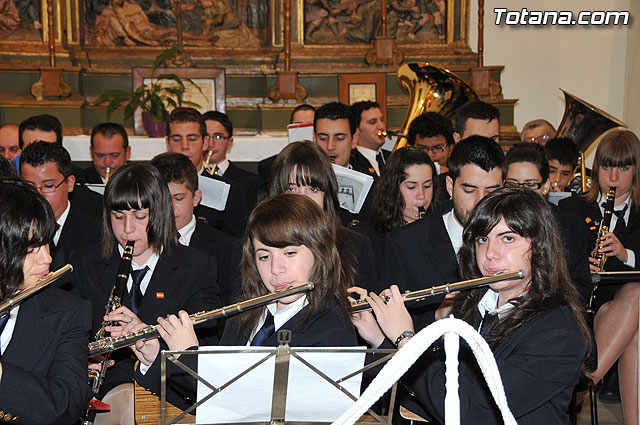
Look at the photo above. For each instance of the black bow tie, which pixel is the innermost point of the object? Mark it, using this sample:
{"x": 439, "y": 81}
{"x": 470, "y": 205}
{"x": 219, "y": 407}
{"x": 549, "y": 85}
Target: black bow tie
{"x": 618, "y": 213}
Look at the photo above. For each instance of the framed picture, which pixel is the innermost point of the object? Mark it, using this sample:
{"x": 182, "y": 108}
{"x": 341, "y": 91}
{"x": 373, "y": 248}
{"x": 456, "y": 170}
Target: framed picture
{"x": 356, "y": 87}
{"x": 210, "y": 96}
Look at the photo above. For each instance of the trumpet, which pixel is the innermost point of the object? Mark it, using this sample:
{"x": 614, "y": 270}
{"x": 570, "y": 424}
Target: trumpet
{"x": 211, "y": 168}
{"x": 107, "y": 174}
{"x": 447, "y": 288}
{"x": 109, "y": 344}
{"x": 9, "y": 303}
{"x": 391, "y": 133}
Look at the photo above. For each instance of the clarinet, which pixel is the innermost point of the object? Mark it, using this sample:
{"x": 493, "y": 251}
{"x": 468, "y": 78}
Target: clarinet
{"x": 96, "y": 378}
{"x": 601, "y": 258}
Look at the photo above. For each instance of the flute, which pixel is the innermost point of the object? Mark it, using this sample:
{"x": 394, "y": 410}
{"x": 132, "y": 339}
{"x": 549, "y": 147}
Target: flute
{"x": 108, "y": 344}
{"x": 9, "y": 303}
{"x": 446, "y": 289}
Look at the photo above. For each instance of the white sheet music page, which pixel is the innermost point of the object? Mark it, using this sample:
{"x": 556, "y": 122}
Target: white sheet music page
{"x": 353, "y": 187}
{"x": 249, "y": 398}
{"x": 214, "y": 192}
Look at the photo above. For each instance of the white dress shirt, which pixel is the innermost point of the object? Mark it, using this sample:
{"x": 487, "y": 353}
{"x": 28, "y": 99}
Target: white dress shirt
{"x": 60, "y": 222}
{"x": 187, "y": 231}
{"x": 454, "y": 230}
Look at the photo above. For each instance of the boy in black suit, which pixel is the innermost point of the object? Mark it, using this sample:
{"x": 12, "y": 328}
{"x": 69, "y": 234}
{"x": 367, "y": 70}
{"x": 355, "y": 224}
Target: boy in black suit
{"x": 220, "y": 137}
{"x": 181, "y": 176}
{"x": 47, "y": 166}
{"x": 187, "y": 134}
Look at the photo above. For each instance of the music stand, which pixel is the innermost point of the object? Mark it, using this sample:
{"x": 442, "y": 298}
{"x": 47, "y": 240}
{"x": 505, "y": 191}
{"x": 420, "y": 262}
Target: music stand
{"x": 283, "y": 354}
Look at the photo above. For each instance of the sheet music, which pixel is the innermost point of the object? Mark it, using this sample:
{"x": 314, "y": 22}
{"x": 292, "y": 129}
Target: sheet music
{"x": 555, "y": 197}
{"x": 214, "y": 192}
{"x": 353, "y": 187}
{"x": 99, "y": 188}
{"x": 300, "y": 132}
{"x": 249, "y": 398}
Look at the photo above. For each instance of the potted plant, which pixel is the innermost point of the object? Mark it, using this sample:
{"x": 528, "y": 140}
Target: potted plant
{"x": 156, "y": 98}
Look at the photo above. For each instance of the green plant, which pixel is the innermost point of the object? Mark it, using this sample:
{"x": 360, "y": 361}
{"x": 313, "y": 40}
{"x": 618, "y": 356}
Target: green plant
{"x": 154, "y": 97}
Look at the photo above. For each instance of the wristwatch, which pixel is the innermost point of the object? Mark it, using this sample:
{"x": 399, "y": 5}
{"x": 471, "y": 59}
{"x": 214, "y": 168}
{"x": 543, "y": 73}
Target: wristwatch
{"x": 404, "y": 335}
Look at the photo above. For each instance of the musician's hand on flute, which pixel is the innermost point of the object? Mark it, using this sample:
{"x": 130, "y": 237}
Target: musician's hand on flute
{"x": 178, "y": 331}
{"x": 364, "y": 321}
{"x": 392, "y": 316}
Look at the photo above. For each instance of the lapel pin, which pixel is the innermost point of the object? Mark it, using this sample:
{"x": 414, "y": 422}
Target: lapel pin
{"x": 159, "y": 294}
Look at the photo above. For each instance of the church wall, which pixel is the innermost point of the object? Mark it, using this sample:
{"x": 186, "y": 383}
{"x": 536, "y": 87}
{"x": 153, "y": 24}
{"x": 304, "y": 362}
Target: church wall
{"x": 589, "y": 62}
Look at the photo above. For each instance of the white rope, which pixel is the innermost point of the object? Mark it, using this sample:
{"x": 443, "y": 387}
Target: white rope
{"x": 412, "y": 350}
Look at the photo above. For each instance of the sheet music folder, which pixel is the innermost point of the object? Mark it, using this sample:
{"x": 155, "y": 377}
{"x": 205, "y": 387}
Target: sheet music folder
{"x": 286, "y": 375}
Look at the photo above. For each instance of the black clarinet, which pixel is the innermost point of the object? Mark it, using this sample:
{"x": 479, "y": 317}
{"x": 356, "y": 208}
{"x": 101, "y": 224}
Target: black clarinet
{"x": 96, "y": 377}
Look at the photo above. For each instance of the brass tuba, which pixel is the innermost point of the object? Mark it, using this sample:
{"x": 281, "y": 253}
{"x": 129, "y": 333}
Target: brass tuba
{"x": 583, "y": 123}
{"x": 430, "y": 89}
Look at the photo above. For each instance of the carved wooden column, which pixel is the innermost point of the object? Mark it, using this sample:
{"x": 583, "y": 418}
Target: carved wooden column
{"x": 51, "y": 82}
{"x": 384, "y": 51}
{"x": 287, "y": 85}
{"x": 481, "y": 79}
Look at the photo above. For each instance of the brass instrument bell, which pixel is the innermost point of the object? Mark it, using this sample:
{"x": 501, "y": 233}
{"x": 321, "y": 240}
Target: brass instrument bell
{"x": 430, "y": 89}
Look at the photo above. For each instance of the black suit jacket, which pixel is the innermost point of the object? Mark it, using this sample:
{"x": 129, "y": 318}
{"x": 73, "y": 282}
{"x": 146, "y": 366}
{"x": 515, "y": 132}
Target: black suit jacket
{"x": 377, "y": 244}
{"x": 218, "y": 245}
{"x": 89, "y": 175}
{"x": 629, "y": 236}
{"x": 81, "y": 230}
{"x": 250, "y": 181}
{"x": 417, "y": 256}
{"x": 234, "y": 217}
{"x": 331, "y": 327}
{"x": 44, "y": 368}
{"x": 86, "y": 200}
{"x": 360, "y": 163}
{"x": 574, "y": 237}
{"x": 539, "y": 364}
{"x": 183, "y": 280}
{"x": 264, "y": 168}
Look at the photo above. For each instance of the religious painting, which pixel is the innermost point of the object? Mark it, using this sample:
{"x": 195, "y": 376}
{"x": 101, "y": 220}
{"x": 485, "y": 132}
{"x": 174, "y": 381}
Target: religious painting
{"x": 205, "y": 23}
{"x": 20, "y": 20}
{"x": 359, "y": 21}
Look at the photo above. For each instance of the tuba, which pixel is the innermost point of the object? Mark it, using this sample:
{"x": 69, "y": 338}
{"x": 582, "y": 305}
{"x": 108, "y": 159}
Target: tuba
{"x": 583, "y": 123}
{"x": 430, "y": 89}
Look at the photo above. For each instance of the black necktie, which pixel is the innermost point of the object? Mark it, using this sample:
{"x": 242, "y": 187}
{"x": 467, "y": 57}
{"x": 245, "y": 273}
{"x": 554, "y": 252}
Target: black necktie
{"x": 136, "y": 292}
{"x": 3, "y": 323}
{"x": 267, "y": 329}
{"x": 380, "y": 160}
{"x": 489, "y": 320}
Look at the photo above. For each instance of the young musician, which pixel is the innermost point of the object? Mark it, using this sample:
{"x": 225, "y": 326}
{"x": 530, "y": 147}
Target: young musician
{"x": 616, "y": 164}
{"x": 404, "y": 192}
{"x": 168, "y": 276}
{"x": 182, "y": 178}
{"x": 527, "y": 167}
{"x": 288, "y": 242}
{"x": 562, "y": 154}
{"x": 534, "y": 326}
{"x": 303, "y": 168}
{"x": 43, "y": 343}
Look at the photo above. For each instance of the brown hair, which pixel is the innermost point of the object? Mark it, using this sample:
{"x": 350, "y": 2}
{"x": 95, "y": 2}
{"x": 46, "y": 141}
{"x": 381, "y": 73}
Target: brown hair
{"x": 617, "y": 148}
{"x": 292, "y": 220}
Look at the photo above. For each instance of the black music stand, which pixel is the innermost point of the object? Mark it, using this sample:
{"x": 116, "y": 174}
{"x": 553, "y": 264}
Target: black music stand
{"x": 283, "y": 354}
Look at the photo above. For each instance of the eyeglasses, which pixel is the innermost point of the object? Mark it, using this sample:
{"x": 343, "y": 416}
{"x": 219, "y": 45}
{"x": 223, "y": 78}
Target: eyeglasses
{"x": 527, "y": 185}
{"x": 49, "y": 187}
{"x": 539, "y": 139}
{"x": 217, "y": 137}
{"x": 434, "y": 149}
